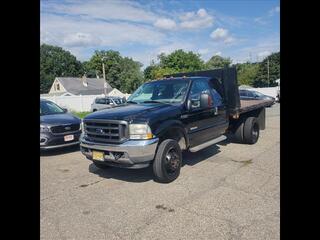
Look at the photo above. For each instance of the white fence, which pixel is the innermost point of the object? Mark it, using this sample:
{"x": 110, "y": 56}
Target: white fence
{"x": 74, "y": 103}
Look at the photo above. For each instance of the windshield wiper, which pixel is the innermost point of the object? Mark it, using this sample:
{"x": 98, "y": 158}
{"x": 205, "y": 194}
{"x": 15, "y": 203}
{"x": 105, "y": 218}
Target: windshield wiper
{"x": 152, "y": 101}
{"x": 131, "y": 102}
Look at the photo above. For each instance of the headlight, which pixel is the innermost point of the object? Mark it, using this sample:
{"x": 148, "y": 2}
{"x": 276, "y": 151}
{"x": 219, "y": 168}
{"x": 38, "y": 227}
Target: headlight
{"x": 140, "y": 131}
{"x": 44, "y": 129}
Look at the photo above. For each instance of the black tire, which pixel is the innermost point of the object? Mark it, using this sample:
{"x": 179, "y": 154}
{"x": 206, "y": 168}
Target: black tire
{"x": 168, "y": 161}
{"x": 238, "y": 131}
{"x": 251, "y": 130}
{"x": 100, "y": 165}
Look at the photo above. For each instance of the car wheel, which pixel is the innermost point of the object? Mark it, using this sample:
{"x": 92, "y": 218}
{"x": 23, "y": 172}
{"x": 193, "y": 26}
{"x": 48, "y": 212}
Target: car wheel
{"x": 238, "y": 131}
{"x": 168, "y": 160}
{"x": 251, "y": 130}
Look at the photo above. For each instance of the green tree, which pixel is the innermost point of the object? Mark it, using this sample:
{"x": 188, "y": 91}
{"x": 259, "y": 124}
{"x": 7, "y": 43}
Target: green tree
{"x": 56, "y": 62}
{"x": 149, "y": 71}
{"x": 247, "y": 73}
{"x": 274, "y": 71}
{"x": 181, "y": 61}
{"x": 177, "y": 61}
{"x": 217, "y": 61}
{"x": 121, "y": 73}
{"x": 131, "y": 76}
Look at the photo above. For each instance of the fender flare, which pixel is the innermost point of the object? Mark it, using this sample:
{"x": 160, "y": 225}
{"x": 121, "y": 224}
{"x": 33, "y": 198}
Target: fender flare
{"x": 166, "y": 126}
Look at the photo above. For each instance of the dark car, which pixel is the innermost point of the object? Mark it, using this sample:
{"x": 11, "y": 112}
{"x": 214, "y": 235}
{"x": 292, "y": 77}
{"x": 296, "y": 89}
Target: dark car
{"x": 58, "y": 128}
{"x": 251, "y": 94}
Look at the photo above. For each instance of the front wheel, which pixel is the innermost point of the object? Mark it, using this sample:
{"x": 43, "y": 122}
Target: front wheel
{"x": 168, "y": 160}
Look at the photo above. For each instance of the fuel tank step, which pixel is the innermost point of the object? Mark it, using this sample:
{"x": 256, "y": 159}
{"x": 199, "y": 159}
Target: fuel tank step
{"x": 207, "y": 144}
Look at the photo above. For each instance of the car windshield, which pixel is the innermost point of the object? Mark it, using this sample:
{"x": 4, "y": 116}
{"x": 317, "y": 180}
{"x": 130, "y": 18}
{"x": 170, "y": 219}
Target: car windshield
{"x": 165, "y": 91}
{"x": 117, "y": 100}
{"x": 258, "y": 94}
{"x": 48, "y": 108}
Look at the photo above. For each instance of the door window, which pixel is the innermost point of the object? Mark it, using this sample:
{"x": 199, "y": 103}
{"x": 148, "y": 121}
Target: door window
{"x": 198, "y": 87}
{"x": 250, "y": 94}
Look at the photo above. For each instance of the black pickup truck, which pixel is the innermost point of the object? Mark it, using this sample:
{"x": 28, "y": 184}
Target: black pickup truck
{"x": 186, "y": 111}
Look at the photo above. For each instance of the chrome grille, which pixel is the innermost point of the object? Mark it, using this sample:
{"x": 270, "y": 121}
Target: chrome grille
{"x": 106, "y": 131}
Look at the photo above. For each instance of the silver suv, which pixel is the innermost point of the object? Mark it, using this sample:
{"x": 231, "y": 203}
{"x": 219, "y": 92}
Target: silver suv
{"x": 106, "y": 102}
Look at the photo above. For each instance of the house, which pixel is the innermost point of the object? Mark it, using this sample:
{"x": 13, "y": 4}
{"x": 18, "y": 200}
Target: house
{"x": 117, "y": 93}
{"x": 70, "y": 86}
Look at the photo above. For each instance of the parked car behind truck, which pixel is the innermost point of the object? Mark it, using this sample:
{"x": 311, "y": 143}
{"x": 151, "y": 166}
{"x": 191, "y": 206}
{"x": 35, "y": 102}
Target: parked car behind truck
{"x": 162, "y": 118}
{"x": 105, "y": 103}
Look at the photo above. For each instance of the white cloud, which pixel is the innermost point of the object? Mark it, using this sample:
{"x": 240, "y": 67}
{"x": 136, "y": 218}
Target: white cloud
{"x": 81, "y": 39}
{"x": 107, "y": 10}
{"x": 68, "y": 31}
{"x": 192, "y": 20}
{"x": 203, "y": 51}
{"x": 221, "y": 34}
{"x": 258, "y": 50}
{"x": 165, "y": 23}
{"x": 217, "y": 54}
{"x": 260, "y": 20}
{"x": 263, "y": 54}
{"x": 178, "y": 44}
{"x": 274, "y": 10}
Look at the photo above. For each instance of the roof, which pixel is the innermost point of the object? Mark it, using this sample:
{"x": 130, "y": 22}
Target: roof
{"x": 95, "y": 86}
{"x": 53, "y": 94}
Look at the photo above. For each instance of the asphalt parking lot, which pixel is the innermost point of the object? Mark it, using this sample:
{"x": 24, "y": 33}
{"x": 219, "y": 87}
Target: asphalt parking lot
{"x": 227, "y": 191}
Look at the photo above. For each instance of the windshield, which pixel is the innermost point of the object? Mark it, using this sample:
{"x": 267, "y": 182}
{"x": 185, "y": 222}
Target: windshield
{"x": 117, "y": 100}
{"x": 47, "y": 108}
{"x": 258, "y": 94}
{"x": 166, "y": 91}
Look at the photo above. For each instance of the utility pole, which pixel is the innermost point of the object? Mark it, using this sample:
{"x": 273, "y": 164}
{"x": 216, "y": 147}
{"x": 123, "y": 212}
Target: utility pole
{"x": 104, "y": 76}
{"x": 268, "y": 73}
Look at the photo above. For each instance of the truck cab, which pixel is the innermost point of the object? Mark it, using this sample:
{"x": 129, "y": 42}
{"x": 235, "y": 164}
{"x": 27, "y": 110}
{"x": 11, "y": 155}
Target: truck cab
{"x": 164, "y": 117}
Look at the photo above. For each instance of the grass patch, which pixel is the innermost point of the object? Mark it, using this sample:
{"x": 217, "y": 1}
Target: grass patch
{"x": 81, "y": 114}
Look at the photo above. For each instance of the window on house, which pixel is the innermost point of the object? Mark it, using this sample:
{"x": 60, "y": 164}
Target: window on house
{"x": 58, "y": 87}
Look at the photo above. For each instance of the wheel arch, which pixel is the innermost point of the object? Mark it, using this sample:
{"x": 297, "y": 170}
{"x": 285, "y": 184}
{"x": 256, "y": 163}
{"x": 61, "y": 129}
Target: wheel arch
{"x": 173, "y": 130}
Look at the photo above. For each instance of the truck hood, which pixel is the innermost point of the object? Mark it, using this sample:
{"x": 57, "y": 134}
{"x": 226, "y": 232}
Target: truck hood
{"x": 57, "y": 119}
{"x": 130, "y": 112}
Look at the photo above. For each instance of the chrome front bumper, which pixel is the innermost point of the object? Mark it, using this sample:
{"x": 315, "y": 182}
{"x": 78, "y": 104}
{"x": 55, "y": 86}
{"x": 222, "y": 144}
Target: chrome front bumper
{"x": 127, "y": 154}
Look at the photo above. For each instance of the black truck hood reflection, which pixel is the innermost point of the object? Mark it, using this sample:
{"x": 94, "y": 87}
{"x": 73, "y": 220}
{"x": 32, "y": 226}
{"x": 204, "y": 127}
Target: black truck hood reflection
{"x": 57, "y": 119}
{"x": 140, "y": 112}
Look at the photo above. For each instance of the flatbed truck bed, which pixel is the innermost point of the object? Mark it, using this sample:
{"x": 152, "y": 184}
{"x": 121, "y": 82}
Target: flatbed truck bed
{"x": 249, "y": 105}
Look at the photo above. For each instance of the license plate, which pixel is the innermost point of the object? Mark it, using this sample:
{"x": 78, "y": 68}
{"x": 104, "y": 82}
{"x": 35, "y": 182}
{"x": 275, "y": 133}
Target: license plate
{"x": 97, "y": 155}
{"x": 68, "y": 138}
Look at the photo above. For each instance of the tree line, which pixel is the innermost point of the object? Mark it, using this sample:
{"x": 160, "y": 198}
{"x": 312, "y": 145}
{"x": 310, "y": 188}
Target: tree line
{"x": 126, "y": 75}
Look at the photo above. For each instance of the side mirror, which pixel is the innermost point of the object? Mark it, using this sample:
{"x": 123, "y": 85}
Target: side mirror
{"x": 205, "y": 100}
{"x": 65, "y": 110}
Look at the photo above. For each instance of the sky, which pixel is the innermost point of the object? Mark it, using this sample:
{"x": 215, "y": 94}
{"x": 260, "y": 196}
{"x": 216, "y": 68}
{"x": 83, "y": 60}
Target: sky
{"x": 244, "y": 30}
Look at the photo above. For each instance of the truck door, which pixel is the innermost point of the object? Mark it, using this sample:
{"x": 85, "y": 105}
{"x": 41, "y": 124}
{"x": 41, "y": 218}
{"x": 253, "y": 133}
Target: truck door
{"x": 204, "y": 124}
